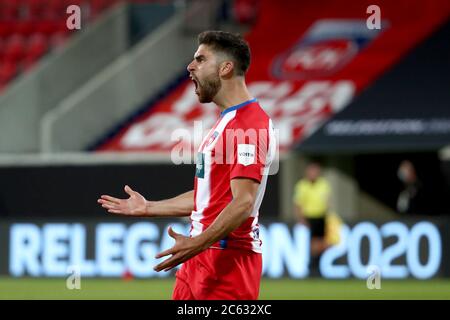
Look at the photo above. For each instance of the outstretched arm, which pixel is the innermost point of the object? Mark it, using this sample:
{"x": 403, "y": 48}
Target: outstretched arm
{"x": 178, "y": 206}
{"x": 137, "y": 206}
{"x": 237, "y": 211}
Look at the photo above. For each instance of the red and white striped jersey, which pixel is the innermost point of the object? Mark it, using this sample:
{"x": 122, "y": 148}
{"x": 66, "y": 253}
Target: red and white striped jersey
{"x": 241, "y": 144}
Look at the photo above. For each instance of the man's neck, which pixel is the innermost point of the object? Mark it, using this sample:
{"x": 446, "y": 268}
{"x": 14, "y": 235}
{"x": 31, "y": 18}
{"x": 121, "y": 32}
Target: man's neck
{"x": 233, "y": 92}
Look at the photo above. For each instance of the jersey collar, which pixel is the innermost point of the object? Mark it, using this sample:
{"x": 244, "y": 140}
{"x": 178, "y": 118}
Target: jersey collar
{"x": 238, "y": 106}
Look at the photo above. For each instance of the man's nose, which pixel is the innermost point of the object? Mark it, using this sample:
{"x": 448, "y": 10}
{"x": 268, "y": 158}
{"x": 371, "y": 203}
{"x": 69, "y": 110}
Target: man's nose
{"x": 190, "y": 66}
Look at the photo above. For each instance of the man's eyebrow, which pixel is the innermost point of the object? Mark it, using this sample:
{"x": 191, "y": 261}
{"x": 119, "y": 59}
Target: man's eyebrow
{"x": 200, "y": 56}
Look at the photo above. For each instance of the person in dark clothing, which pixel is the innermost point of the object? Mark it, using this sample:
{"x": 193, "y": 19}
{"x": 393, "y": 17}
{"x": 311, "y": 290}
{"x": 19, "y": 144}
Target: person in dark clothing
{"x": 412, "y": 199}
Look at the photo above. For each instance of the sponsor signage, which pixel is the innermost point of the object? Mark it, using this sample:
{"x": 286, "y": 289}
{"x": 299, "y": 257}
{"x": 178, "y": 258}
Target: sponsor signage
{"x": 111, "y": 249}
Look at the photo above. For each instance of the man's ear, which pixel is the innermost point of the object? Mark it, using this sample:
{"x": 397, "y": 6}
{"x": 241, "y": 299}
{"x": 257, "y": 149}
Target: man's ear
{"x": 226, "y": 69}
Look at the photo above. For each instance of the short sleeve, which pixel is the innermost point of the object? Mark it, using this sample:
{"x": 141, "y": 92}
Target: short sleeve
{"x": 249, "y": 157}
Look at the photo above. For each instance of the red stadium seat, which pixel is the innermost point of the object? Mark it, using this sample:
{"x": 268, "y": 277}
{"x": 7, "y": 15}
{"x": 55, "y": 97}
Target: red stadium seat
{"x": 61, "y": 27}
{"x": 34, "y": 8}
{"x": 29, "y": 28}
{"x": 56, "y": 9}
{"x": 24, "y": 27}
{"x": 37, "y": 46}
{"x": 15, "y": 3}
{"x": 8, "y": 71}
{"x": 75, "y": 2}
{"x": 6, "y": 28}
{"x": 14, "y": 48}
{"x": 48, "y": 27}
{"x": 9, "y": 12}
{"x": 59, "y": 5}
{"x": 2, "y": 50}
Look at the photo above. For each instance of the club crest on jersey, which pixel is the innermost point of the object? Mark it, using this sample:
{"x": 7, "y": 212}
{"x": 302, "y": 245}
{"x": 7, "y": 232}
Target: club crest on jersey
{"x": 246, "y": 154}
{"x": 212, "y": 138}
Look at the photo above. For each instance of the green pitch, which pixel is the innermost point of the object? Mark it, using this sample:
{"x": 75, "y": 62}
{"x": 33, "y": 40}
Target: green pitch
{"x": 29, "y": 288}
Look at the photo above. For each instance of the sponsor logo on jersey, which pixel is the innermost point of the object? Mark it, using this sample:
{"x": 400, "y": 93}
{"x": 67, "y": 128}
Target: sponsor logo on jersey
{"x": 246, "y": 154}
{"x": 200, "y": 166}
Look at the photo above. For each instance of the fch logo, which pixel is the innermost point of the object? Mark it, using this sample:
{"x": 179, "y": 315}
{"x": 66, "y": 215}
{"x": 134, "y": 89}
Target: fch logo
{"x": 326, "y": 48}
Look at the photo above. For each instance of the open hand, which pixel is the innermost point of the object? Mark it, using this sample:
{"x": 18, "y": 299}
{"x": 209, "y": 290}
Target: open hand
{"x": 135, "y": 205}
{"x": 184, "y": 249}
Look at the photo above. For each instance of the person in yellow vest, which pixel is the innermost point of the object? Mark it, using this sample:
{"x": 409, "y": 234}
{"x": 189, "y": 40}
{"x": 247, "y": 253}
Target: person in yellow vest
{"x": 312, "y": 204}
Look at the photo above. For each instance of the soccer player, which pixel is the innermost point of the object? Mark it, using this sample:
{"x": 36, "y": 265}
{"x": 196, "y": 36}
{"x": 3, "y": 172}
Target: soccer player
{"x": 222, "y": 256}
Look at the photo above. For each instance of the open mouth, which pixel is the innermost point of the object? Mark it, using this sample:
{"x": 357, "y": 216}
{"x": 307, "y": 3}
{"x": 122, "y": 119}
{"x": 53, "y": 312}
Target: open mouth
{"x": 195, "y": 83}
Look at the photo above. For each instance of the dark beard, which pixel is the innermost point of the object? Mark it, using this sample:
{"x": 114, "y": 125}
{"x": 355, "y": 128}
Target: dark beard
{"x": 209, "y": 88}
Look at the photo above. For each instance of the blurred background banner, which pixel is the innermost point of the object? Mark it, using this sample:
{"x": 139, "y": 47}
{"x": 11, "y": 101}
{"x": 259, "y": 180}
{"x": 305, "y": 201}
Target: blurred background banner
{"x": 380, "y": 120}
{"x": 401, "y": 249}
{"x": 362, "y": 109}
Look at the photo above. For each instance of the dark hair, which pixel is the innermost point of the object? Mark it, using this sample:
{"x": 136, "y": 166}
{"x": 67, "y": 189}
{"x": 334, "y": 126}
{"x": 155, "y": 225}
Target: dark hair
{"x": 314, "y": 162}
{"x": 231, "y": 44}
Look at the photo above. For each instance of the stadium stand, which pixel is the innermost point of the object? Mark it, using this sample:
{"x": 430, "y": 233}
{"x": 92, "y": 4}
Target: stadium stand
{"x": 28, "y": 29}
{"x": 31, "y": 28}
{"x": 64, "y": 68}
